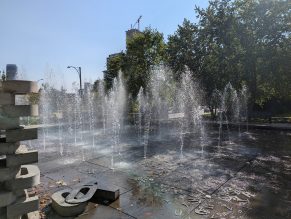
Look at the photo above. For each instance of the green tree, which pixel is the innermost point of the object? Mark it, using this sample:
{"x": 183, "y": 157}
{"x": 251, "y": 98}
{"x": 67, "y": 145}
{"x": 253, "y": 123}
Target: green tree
{"x": 144, "y": 50}
{"x": 115, "y": 63}
{"x": 208, "y": 49}
{"x": 242, "y": 42}
{"x": 264, "y": 28}
{"x": 3, "y": 76}
{"x": 183, "y": 49}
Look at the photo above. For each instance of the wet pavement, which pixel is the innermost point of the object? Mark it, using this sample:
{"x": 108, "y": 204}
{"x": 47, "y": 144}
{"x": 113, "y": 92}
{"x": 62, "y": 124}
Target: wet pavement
{"x": 248, "y": 177}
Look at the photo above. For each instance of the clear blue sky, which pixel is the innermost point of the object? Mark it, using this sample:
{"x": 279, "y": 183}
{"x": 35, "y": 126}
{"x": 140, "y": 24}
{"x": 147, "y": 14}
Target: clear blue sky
{"x": 41, "y": 35}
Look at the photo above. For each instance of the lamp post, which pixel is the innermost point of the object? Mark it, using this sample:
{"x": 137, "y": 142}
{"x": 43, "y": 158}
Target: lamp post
{"x": 78, "y": 69}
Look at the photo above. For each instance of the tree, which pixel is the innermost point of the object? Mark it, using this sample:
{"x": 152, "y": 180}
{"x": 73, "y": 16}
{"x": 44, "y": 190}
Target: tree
{"x": 3, "y": 76}
{"x": 115, "y": 63}
{"x": 264, "y": 34}
{"x": 183, "y": 49}
{"x": 143, "y": 50}
{"x": 208, "y": 49}
{"x": 240, "y": 41}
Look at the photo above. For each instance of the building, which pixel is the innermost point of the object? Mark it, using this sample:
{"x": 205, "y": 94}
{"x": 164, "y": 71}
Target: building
{"x": 130, "y": 33}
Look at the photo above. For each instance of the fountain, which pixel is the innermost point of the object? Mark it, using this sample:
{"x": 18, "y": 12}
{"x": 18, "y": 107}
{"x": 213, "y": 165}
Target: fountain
{"x": 169, "y": 136}
{"x": 141, "y": 106}
{"x": 233, "y": 109}
{"x": 147, "y": 124}
{"x": 115, "y": 103}
{"x": 163, "y": 105}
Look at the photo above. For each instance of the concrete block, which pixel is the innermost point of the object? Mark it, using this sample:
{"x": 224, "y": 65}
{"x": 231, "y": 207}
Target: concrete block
{"x": 19, "y": 87}
{"x": 22, "y": 207}
{"x": 20, "y": 193}
{"x": 8, "y": 173}
{"x": 6, "y": 198}
{"x": 3, "y": 214}
{"x": 30, "y": 215}
{"x": 13, "y": 111}
{"x": 21, "y": 134}
{"x": 33, "y": 215}
{"x": 82, "y": 194}
{"x": 65, "y": 209}
{"x": 105, "y": 193}
{"x": 28, "y": 157}
{"x": 9, "y": 148}
{"x": 8, "y": 123}
{"x": 7, "y": 99}
{"x": 27, "y": 177}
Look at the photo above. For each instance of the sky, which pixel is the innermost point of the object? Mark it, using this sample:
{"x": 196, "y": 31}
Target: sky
{"x": 44, "y": 37}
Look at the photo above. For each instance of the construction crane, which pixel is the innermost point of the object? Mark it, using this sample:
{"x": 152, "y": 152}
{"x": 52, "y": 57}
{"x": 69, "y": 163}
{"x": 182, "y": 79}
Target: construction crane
{"x": 137, "y": 22}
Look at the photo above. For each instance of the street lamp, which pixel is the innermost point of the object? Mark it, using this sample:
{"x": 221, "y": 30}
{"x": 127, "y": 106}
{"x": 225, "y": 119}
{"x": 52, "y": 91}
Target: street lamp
{"x": 78, "y": 69}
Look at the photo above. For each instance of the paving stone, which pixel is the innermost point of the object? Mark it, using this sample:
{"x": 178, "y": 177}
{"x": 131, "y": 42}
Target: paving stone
{"x": 150, "y": 200}
{"x": 69, "y": 176}
{"x": 214, "y": 206}
{"x": 89, "y": 168}
{"x": 163, "y": 177}
{"x": 151, "y": 168}
{"x": 55, "y": 162}
{"x": 122, "y": 161}
{"x": 48, "y": 185}
{"x": 106, "y": 212}
{"x": 117, "y": 178}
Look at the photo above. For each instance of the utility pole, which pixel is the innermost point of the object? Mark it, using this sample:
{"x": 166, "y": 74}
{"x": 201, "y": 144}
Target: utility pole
{"x": 79, "y": 71}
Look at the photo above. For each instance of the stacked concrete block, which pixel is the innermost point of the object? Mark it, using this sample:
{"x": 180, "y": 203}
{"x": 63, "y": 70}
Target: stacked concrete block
{"x": 17, "y": 174}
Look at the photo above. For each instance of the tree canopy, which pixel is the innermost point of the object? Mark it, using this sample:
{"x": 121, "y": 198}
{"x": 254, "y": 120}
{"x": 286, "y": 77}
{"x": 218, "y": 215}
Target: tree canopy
{"x": 244, "y": 42}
